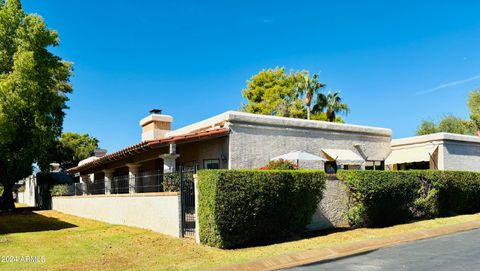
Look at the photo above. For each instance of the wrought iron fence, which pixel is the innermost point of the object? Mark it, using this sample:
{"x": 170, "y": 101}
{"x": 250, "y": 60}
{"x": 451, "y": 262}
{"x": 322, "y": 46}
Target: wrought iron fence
{"x": 145, "y": 182}
{"x": 154, "y": 181}
{"x": 187, "y": 197}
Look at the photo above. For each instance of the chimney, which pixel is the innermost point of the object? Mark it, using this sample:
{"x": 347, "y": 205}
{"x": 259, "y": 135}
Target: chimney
{"x": 155, "y": 125}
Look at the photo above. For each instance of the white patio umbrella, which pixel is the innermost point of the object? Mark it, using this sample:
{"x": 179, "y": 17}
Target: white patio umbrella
{"x": 299, "y": 156}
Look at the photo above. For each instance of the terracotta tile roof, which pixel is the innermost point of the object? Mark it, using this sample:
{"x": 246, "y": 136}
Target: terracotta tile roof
{"x": 151, "y": 144}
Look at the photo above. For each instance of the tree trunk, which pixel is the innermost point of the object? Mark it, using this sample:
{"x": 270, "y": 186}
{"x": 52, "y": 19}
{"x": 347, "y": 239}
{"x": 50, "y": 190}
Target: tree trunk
{"x": 308, "y": 100}
{"x": 6, "y": 200}
{"x": 330, "y": 116}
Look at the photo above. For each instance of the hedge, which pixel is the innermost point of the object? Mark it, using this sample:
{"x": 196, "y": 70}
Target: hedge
{"x": 241, "y": 207}
{"x": 382, "y": 198}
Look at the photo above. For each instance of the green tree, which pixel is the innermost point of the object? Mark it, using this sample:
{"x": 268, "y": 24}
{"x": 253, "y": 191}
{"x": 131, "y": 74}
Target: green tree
{"x": 427, "y": 127}
{"x": 309, "y": 87}
{"x": 332, "y": 104}
{"x": 448, "y": 124}
{"x": 274, "y": 92}
{"x": 72, "y": 148}
{"x": 474, "y": 106}
{"x": 456, "y": 125}
{"x": 33, "y": 88}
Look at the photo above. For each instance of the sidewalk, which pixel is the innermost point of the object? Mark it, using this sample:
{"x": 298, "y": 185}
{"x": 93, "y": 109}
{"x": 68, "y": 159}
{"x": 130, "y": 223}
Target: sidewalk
{"x": 325, "y": 254}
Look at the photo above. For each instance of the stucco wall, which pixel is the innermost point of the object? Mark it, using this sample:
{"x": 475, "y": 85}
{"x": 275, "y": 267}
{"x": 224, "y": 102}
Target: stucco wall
{"x": 461, "y": 156}
{"x": 200, "y": 151}
{"x": 159, "y": 212}
{"x": 252, "y": 146}
{"x": 331, "y": 211}
{"x": 28, "y": 197}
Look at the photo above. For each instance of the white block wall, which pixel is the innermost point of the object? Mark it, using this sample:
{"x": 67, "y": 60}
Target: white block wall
{"x": 159, "y": 212}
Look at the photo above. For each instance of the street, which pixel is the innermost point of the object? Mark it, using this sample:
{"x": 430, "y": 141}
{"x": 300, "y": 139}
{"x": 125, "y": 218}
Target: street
{"x": 459, "y": 251}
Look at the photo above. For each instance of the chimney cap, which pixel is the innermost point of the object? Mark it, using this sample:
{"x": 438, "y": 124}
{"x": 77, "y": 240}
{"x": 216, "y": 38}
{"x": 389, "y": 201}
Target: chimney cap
{"x": 156, "y": 111}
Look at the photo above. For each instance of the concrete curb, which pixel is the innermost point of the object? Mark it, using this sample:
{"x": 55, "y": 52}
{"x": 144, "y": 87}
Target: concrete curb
{"x": 342, "y": 251}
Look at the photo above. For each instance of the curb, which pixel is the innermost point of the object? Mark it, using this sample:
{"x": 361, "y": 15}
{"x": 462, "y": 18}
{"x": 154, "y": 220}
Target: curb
{"x": 342, "y": 251}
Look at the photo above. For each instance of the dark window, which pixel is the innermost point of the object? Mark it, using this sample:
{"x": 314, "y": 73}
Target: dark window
{"x": 414, "y": 166}
{"x": 211, "y": 164}
{"x": 375, "y": 165}
{"x": 330, "y": 167}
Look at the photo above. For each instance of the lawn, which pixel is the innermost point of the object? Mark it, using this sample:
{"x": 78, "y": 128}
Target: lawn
{"x": 73, "y": 243}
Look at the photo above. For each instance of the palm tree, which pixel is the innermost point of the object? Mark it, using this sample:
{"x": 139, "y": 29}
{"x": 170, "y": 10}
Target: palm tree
{"x": 332, "y": 105}
{"x": 309, "y": 86}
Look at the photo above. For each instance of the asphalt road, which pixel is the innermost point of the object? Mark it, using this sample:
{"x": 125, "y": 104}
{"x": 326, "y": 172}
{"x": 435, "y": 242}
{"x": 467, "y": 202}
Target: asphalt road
{"x": 460, "y": 251}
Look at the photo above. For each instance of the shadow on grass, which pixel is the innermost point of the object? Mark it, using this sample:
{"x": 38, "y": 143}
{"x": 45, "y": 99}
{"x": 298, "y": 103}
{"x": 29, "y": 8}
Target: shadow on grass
{"x": 302, "y": 236}
{"x": 24, "y": 219}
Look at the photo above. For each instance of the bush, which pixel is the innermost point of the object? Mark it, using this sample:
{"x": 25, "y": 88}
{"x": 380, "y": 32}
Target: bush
{"x": 460, "y": 193}
{"x": 59, "y": 190}
{"x": 171, "y": 182}
{"x": 280, "y": 164}
{"x": 240, "y": 207}
{"x": 382, "y": 198}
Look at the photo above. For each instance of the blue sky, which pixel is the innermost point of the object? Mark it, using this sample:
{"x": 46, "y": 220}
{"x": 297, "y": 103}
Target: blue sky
{"x": 395, "y": 63}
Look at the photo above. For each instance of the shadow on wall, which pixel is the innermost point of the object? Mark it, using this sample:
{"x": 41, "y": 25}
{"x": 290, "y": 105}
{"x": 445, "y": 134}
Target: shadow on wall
{"x": 26, "y": 220}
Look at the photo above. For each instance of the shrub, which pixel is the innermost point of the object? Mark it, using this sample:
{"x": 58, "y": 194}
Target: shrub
{"x": 460, "y": 193}
{"x": 171, "y": 182}
{"x": 59, "y": 190}
{"x": 381, "y": 198}
{"x": 239, "y": 207}
{"x": 280, "y": 164}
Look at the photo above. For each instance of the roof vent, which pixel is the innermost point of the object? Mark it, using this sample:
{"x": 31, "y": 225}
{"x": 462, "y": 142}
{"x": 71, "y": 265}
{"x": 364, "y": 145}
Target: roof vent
{"x": 156, "y": 111}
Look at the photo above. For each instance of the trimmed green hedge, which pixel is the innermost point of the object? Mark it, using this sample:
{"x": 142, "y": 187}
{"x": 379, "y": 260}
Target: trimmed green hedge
{"x": 240, "y": 207}
{"x": 382, "y": 198}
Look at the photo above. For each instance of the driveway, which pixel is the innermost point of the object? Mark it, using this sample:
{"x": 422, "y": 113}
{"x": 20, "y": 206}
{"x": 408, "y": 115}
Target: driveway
{"x": 459, "y": 251}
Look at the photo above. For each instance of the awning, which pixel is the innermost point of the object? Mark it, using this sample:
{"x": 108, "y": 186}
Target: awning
{"x": 299, "y": 156}
{"x": 343, "y": 157}
{"x": 410, "y": 155}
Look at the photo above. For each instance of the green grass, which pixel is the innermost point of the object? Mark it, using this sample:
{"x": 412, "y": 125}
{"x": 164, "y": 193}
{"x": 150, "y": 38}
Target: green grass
{"x": 73, "y": 243}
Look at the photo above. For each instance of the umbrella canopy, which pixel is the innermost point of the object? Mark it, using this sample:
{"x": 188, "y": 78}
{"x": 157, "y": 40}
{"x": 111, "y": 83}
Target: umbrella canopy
{"x": 299, "y": 156}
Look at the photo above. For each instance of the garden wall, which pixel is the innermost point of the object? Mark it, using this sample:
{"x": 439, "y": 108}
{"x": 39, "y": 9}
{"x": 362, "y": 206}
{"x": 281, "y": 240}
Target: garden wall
{"x": 332, "y": 210}
{"x": 159, "y": 212}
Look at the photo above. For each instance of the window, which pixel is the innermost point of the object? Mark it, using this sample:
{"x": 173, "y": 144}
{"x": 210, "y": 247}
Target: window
{"x": 375, "y": 165}
{"x": 211, "y": 164}
{"x": 330, "y": 167}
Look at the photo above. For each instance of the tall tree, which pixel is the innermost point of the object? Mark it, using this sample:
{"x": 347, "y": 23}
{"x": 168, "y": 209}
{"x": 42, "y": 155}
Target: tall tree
{"x": 274, "y": 92}
{"x": 332, "y": 104}
{"x": 309, "y": 87}
{"x": 71, "y": 148}
{"x": 33, "y": 88}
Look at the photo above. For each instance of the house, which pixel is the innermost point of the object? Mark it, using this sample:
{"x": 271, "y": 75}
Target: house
{"x": 135, "y": 183}
{"x": 442, "y": 151}
{"x": 233, "y": 140}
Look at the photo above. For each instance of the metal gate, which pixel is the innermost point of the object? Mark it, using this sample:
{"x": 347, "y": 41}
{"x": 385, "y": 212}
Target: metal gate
{"x": 187, "y": 198}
